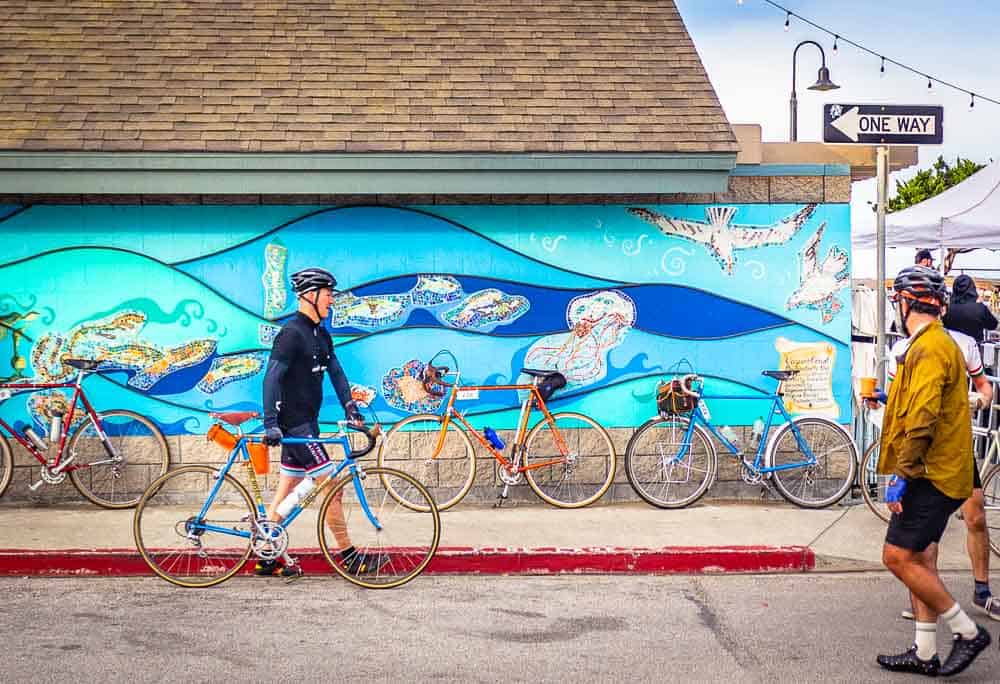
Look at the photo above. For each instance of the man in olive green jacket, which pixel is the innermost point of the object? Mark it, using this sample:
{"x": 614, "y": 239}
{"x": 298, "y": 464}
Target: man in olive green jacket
{"x": 927, "y": 448}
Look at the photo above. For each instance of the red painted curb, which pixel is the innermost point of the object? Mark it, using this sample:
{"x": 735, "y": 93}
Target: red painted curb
{"x": 462, "y": 561}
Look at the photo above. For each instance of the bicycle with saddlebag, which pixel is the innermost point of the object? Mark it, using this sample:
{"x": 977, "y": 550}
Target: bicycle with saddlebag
{"x": 671, "y": 461}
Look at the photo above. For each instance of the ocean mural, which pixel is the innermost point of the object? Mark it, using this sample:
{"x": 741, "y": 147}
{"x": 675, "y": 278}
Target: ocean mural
{"x": 182, "y": 303}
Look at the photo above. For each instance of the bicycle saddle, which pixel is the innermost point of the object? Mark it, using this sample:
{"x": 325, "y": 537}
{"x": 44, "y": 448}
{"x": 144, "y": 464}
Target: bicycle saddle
{"x": 536, "y": 373}
{"x": 83, "y": 364}
{"x": 781, "y": 375}
{"x": 235, "y": 417}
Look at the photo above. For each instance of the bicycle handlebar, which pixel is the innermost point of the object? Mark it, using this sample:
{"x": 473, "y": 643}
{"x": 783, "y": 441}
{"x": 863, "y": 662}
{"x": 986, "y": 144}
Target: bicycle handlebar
{"x": 370, "y": 437}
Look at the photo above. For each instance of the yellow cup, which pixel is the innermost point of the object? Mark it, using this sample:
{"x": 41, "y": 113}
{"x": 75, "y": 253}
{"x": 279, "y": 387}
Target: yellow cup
{"x": 867, "y": 387}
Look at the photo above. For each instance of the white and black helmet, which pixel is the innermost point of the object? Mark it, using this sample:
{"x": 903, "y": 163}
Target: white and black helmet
{"x": 311, "y": 279}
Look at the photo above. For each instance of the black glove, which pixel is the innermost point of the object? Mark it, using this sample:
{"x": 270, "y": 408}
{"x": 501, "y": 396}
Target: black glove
{"x": 353, "y": 414}
{"x": 272, "y": 436}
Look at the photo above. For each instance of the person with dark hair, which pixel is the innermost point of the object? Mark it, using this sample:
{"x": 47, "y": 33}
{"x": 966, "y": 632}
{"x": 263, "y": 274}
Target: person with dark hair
{"x": 924, "y": 258}
{"x": 927, "y": 449}
{"x": 966, "y": 313}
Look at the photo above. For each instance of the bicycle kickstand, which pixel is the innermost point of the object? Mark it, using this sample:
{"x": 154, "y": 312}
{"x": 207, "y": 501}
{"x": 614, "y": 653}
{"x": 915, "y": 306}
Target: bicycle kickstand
{"x": 502, "y": 497}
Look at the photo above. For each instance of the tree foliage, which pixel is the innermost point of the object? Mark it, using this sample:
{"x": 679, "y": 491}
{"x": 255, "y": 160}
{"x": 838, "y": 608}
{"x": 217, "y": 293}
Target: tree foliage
{"x": 930, "y": 182}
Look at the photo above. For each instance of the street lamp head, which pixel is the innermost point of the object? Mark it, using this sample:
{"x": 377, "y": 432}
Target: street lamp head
{"x": 823, "y": 81}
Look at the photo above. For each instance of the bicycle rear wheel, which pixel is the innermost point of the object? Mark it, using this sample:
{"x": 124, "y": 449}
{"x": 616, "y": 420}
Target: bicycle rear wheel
{"x": 168, "y": 533}
{"x": 824, "y": 482}
{"x": 991, "y": 497}
{"x": 873, "y": 484}
{"x": 397, "y": 546}
{"x": 409, "y": 445}
{"x": 6, "y": 464}
{"x": 583, "y": 455}
{"x": 117, "y": 481}
{"x": 656, "y": 471}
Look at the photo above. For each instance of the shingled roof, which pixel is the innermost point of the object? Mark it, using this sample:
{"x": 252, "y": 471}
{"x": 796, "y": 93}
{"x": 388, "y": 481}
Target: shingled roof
{"x": 354, "y": 76}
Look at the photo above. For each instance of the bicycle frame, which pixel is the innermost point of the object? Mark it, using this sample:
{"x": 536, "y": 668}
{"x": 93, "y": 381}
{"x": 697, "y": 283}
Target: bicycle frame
{"x": 57, "y": 464}
{"x": 449, "y": 413}
{"x": 777, "y": 409}
{"x": 240, "y": 452}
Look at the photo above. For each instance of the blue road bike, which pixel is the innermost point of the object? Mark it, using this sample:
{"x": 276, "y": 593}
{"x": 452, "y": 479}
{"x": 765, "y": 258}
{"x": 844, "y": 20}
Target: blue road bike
{"x": 671, "y": 460}
{"x": 199, "y": 542}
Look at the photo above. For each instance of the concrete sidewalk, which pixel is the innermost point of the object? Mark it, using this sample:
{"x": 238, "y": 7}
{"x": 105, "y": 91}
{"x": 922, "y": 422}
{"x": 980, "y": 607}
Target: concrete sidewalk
{"x": 713, "y": 537}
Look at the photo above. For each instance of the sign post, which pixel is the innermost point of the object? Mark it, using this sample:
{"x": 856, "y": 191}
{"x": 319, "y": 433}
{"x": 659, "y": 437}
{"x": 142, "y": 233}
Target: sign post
{"x": 882, "y": 125}
{"x": 882, "y": 174}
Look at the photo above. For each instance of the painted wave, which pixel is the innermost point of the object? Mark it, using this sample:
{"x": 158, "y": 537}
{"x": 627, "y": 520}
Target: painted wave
{"x": 671, "y": 310}
{"x": 640, "y": 360}
{"x": 364, "y": 244}
{"x": 171, "y": 233}
{"x": 86, "y": 284}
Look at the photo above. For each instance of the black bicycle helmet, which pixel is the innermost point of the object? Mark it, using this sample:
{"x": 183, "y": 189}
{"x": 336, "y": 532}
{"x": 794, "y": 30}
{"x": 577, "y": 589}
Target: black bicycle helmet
{"x": 311, "y": 279}
{"x": 921, "y": 284}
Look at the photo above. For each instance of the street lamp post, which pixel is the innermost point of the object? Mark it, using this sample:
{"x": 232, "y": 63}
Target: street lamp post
{"x": 822, "y": 83}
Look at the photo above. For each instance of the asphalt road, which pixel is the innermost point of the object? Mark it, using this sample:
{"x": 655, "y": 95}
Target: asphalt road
{"x": 775, "y": 628}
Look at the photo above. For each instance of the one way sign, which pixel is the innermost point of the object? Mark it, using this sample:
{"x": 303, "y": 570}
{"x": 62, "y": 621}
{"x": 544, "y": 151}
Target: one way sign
{"x": 883, "y": 124}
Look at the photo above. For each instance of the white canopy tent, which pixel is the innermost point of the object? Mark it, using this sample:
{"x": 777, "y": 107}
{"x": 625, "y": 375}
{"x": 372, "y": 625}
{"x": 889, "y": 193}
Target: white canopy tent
{"x": 965, "y": 215}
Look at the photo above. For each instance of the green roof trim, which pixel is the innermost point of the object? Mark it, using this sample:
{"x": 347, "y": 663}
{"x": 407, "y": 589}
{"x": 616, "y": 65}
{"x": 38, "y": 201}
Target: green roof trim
{"x": 792, "y": 170}
{"x": 366, "y": 173}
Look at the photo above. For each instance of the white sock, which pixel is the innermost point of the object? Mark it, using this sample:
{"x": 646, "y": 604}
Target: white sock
{"x": 959, "y": 622}
{"x": 926, "y": 640}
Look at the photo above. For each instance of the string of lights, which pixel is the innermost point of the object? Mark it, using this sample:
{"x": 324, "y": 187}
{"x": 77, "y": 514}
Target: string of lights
{"x": 838, "y": 38}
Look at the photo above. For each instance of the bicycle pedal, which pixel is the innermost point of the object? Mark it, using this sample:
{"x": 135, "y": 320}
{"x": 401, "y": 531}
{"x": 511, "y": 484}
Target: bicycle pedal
{"x": 296, "y": 574}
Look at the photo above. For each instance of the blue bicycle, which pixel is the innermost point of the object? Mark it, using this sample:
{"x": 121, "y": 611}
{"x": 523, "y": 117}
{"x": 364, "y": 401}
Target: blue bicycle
{"x": 365, "y": 533}
{"x": 671, "y": 460}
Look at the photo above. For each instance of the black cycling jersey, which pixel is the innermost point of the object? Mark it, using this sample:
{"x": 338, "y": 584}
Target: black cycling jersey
{"x": 293, "y": 384}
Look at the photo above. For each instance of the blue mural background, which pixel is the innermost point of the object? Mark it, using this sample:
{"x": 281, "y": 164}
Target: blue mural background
{"x": 183, "y": 301}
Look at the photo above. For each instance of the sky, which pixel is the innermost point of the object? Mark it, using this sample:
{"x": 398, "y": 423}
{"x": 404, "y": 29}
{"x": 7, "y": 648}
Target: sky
{"x": 748, "y": 57}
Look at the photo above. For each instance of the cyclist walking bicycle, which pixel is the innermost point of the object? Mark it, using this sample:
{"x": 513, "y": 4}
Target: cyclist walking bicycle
{"x": 927, "y": 448}
{"x": 293, "y": 392}
{"x": 974, "y": 508}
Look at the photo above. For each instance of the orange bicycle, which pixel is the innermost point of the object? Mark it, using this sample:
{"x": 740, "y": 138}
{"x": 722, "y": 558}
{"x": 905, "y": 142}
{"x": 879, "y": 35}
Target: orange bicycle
{"x": 567, "y": 458}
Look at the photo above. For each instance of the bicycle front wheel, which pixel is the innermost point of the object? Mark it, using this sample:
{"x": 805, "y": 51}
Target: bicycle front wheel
{"x": 872, "y": 484}
{"x": 6, "y": 464}
{"x": 991, "y": 499}
{"x": 569, "y": 460}
{"x": 114, "y": 469}
{"x": 657, "y": 470}
{"x": 409, "y": 447}
{"x": 816, "y": 461}
{"x": 170, "y": 534}
{"x": 372, "y": 539}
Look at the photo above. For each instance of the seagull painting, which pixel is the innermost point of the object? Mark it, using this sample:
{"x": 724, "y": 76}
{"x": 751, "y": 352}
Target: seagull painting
{"x": 720, "y": 237}
{"x": 820, "y": 282}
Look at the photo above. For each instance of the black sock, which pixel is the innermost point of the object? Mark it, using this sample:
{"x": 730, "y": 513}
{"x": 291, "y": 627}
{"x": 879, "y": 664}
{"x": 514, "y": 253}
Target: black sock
{"x": 348, "y": 553}
{"x": 983, "y": 590}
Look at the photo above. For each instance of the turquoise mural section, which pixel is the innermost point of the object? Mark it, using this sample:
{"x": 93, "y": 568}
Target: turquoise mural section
{"x": 182, "y": 303}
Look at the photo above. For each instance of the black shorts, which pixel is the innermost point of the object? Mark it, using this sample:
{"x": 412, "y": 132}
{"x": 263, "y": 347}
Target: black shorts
{"x": 925, "y": 515}
{"x": 977, "y": 483}
{"x": 299, "y": 460}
